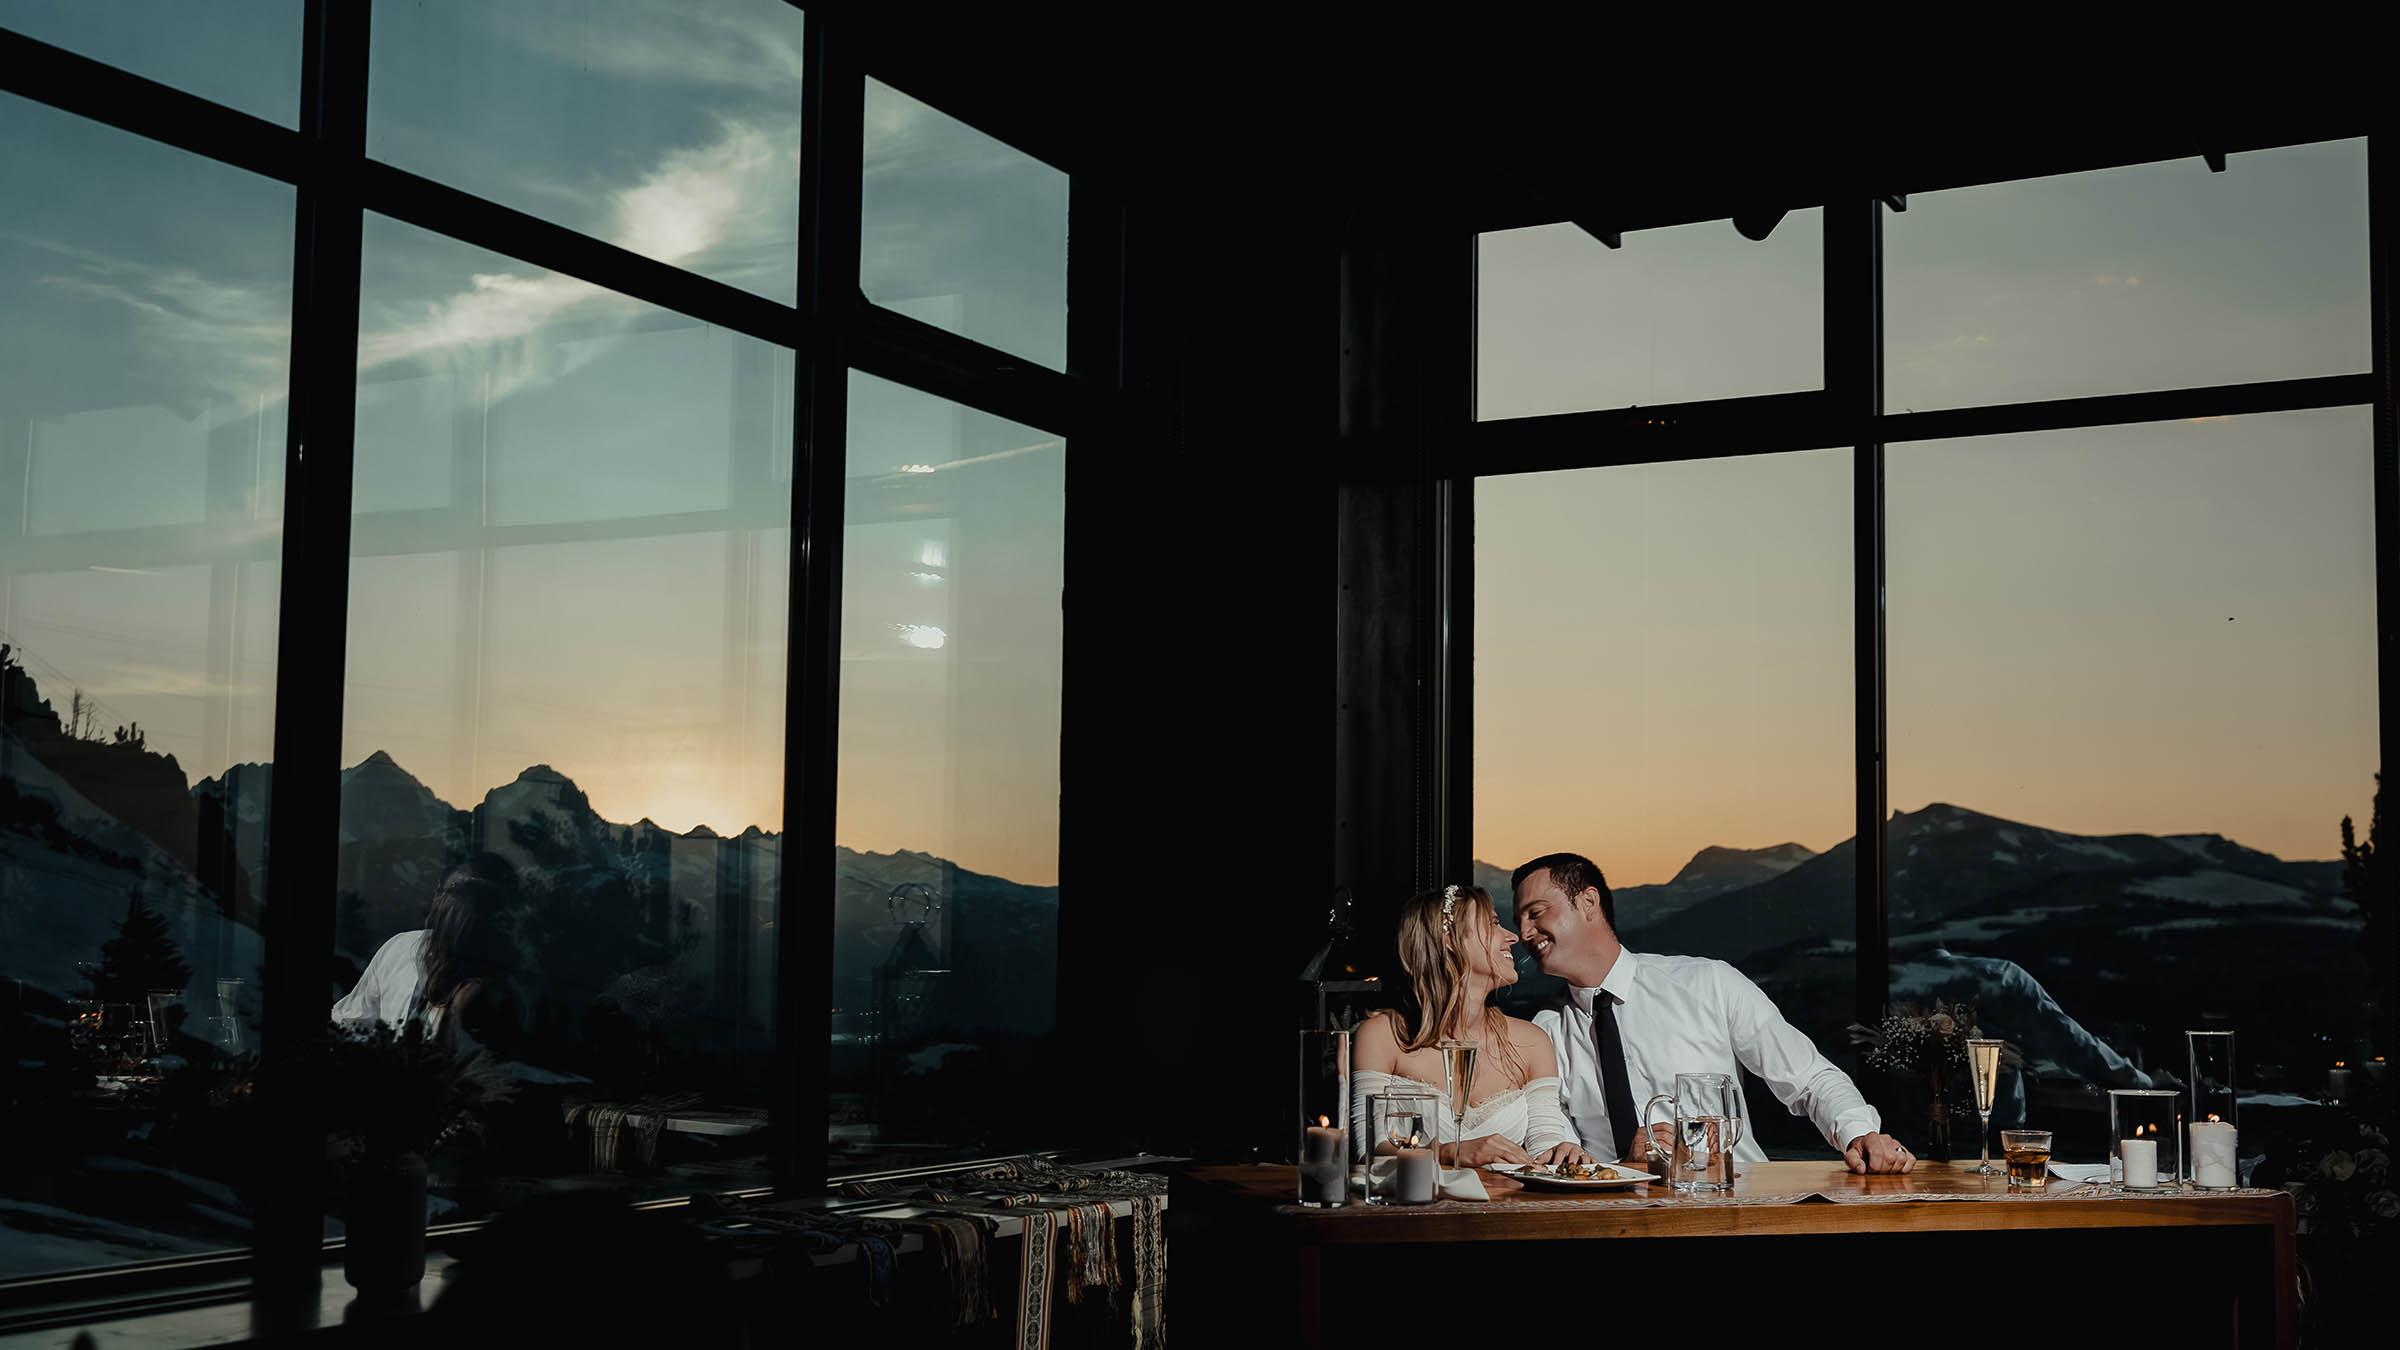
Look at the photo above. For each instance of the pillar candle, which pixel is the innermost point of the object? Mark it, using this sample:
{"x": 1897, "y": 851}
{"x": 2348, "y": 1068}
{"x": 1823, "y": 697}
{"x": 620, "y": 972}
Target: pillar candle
{"x": 2140, "y": 1157}
{"x": 1416, "y": 1175}
{"x": 2213, "y": 1155}
{"x": 2337, "y": 1085}
{"x": 1324, "y": 1166}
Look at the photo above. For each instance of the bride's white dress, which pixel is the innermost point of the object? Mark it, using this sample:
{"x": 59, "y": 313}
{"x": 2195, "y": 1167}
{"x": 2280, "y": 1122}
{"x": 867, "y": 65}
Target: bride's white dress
{"x": 1529, "y": 1116}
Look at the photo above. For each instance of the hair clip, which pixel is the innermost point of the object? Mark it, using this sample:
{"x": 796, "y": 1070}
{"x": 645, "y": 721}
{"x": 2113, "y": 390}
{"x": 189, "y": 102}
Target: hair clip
{"x": 1449, "y": 903}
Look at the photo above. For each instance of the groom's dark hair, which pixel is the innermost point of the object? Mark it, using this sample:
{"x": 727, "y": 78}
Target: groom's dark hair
{"x": 1574, "y": 873}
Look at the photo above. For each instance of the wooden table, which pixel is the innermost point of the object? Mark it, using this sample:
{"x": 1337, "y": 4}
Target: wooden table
{"x": 2202, "y": 1269}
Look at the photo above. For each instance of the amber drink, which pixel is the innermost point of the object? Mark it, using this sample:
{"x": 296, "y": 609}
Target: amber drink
{"x": 2028, "y": 1157}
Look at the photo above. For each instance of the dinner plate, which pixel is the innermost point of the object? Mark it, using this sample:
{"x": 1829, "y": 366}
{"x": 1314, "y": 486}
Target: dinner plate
{"x": 1627, "y": 1176}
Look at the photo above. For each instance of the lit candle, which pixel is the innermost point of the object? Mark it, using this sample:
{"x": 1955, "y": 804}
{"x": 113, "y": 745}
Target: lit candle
{"x": 2140, "y": 1157}
{"x": 2213, "y": 1154}
{"x": 1324, "y": 1165}
{"x": 2337, "y": 1083}
{"x": 1416, "y": 1170}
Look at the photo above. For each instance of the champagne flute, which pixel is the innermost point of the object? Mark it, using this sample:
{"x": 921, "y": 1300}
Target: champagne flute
{"x": 1458, "y": 1079}
{"x": 1983, "y": 1058}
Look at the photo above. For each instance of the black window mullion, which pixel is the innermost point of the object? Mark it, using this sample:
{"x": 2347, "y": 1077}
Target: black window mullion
{"x": 311, "y": 629}
{"x": 1854, "y": 385}
{"x": 154, "y": 111}
{"x": 2383, "y": 216}
{"x": 832, "y": 134}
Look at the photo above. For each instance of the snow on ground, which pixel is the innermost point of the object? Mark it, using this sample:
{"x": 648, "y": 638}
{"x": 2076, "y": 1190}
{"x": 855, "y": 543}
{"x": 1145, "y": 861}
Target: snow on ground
{"x": 2221, "y": 890}
{"x": 2090, "y": 847}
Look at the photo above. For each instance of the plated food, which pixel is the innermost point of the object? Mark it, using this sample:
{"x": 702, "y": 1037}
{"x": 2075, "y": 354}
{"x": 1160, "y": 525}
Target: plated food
{"x": 1575, "y": 1176}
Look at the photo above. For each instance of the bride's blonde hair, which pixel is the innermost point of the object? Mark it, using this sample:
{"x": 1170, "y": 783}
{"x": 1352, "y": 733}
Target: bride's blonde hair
{"x": 1436, "y": 929}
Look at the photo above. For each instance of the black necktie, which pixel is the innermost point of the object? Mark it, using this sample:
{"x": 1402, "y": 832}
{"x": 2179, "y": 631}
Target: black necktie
{"x": 1614, "y": 1090}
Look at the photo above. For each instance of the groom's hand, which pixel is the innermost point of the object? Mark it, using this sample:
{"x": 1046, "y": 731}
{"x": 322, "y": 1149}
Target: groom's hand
{"x": 1878, "y": 1153}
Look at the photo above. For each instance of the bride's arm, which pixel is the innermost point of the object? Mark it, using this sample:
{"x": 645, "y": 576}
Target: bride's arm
{"x": 1548, "y": 1135}
{"x": 1374, "y": 1053}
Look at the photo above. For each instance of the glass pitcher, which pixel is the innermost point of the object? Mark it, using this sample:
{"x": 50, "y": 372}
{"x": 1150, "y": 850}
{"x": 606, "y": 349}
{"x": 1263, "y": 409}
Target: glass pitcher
{"x": 1707, "y": 1118}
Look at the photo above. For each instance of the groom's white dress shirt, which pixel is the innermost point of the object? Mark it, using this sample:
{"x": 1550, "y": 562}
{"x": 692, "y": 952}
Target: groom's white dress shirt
{"x": 1690, "y": 1014}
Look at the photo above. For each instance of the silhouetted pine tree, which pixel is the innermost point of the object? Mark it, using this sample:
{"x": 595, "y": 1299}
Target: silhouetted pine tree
{"x": 2367, "y": 876}
{"x": 140, "y": 958}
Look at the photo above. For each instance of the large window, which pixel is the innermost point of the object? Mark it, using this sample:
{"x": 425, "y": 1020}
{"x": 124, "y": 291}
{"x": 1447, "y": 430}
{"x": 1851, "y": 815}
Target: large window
{"x": 573, "y": 664}
{"x": 2132, "y": 696}
{"x": 2153, "y": 276}
{"x": 2127, "y": 675}
{"x": 1565, "y": 323}
{"x": 557, "y": 822}
{"x": 669, "y": 127}
{"x": 142, "y": 421}
{"x": 946, "y": 882}
{"x": 1662, "y": 683}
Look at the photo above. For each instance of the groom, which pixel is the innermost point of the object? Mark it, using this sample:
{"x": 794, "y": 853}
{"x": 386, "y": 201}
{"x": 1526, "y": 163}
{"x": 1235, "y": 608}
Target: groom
{"x": 1629, "y": 1022}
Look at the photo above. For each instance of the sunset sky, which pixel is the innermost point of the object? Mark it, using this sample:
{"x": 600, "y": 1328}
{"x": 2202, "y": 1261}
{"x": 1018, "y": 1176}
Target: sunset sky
{"x": 573, "y": 531}
{"x": 572, "y": 538}
{"x": 2165, "y": 629}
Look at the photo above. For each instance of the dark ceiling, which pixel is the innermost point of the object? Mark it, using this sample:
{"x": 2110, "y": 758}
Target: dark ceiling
{"x": 1352, "y": 117}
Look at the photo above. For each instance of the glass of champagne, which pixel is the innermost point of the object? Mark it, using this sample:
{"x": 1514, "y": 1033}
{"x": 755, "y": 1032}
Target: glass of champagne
{"x": 1983, "y": 1061}
{"x": 1458, "y": 1079}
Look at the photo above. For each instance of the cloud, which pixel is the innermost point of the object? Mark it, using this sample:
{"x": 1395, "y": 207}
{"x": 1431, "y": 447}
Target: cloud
{"x": 700, "y": 43}
{"x": 721, "y": 206}
{"x": 230, "y": 340}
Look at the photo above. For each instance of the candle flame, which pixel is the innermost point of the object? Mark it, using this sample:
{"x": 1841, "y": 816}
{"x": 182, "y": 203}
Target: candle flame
{"x": 1327, "y": 1120}
{"x": 2341, "y": 1064}
{"x": 2212, "y": 1117}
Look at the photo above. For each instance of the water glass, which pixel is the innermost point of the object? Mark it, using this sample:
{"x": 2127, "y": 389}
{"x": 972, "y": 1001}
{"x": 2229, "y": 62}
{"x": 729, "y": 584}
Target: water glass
{"x": 1707, "y": 1119}
{"x": 1401, "y": 1169}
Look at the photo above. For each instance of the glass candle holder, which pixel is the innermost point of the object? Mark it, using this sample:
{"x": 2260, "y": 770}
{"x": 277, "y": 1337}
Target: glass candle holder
{"x": 1323, "y": 1147}
{"x": 2145, "y": 1150}
{"x": 2212, "y": 1101}
{"x": 1401, "y": 1167}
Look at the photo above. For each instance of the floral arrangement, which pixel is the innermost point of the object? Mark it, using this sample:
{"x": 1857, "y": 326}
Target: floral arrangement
{"x": 1931, "y": 1040}
{"x": 393, "y": 1091}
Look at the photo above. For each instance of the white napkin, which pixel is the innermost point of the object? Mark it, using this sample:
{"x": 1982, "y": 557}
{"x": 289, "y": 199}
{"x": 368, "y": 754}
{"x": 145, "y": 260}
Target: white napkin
{"x": 2079, "y": 1171}
{"x": 1455, "y": 1183}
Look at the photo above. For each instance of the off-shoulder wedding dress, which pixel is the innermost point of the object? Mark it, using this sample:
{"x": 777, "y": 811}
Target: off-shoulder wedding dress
{"x": 1529, "y": 1116}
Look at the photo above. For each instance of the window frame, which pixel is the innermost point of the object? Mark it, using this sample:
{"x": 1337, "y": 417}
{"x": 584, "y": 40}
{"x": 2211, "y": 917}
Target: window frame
{"x": 831, "y": 328}
{"x": 1849, "y": 411}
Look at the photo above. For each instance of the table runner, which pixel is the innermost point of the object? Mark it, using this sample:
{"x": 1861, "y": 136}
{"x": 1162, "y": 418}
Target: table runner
{"x": 1567, "y": 1203}
{"x": 1046, "y": 1196}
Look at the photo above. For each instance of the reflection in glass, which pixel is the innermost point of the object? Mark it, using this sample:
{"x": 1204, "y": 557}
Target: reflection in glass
{"x": 1662, "y": 683}
{"x": 2132, "y": 696}
{"x": 2153, "y": 276}
{"x": 668, "y": 127}
{"x": 945, "y": 918}
{"x": 962, "y": 231}
{"x": 1563, "y": 323}
{"x": 565, "y": 673}
{"x": 241, "y": 53}
{"x": 144, "y": 325}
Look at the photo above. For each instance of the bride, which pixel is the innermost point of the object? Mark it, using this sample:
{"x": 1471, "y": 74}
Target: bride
{"x": 1456, "y": 953}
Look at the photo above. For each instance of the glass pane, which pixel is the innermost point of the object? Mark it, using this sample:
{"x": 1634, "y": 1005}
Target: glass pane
{"x": 566, "y": 666}
{"x": 962, "y": 231}
{"x": 1563, "y": 323}
{"x": 668, "y": 127}
{"x": 145, "y": 301}
{"x": 2132, "y": 697}
{"x": 1662, "y": 684}
{"x": 2154, "y": 276}
{"x": 242, "y": 53}
{"x": 945, "y": 923}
